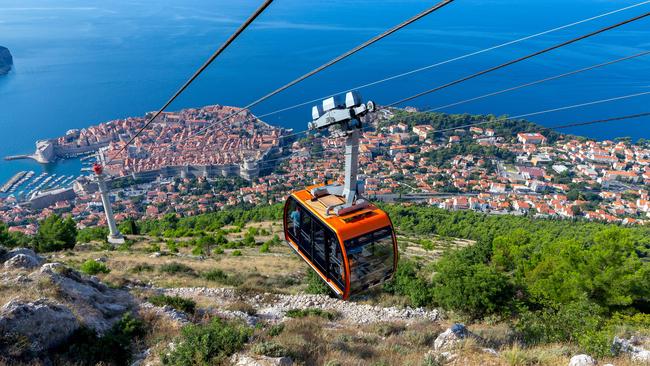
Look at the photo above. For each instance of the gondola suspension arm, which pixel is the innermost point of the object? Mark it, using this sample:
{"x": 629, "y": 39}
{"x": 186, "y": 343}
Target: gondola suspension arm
{"x": 343, "y": 121}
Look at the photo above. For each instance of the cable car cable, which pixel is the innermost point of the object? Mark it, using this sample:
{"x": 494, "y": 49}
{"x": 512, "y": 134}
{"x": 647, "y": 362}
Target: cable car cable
{"x": 467, "y": 56}
{"x": 198, "y": 72}
{"x": 537, "y": 82}
{"x": 329, "y": 63}
{"x": 598, "y": 121}
{"x": 458, "y": 58}
{"x": 517, "y": 60}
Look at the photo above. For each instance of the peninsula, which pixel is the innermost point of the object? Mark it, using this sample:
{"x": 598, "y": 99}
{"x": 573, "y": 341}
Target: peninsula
{"x": 6, "y": 61}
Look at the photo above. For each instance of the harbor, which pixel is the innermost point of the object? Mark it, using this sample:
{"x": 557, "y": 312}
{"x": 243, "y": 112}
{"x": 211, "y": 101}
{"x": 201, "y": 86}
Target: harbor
{"x": 25, "y": 185}
{"x": 12, "y": 182}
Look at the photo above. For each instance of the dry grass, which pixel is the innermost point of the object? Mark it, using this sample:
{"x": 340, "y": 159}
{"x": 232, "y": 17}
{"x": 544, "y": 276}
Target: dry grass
{"x": 255, "y": 269}
{"x": 29, "y": 291}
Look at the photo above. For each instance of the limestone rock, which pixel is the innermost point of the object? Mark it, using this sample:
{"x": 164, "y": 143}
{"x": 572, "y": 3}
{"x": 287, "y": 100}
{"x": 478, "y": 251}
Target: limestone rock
{"x": 247, "y": 360}
{"x": 642, "y": 357}
{"x": 167, "y": 312}
{"x": 97, "y": 305}
{"x": 44, "y": 323}
{"x": 637, "y": 353}
{"x": 451, "y": 337}
{"x": 582, "y": 360}
{"x": 21, "y": 258}
{"x": 21, "y": 261}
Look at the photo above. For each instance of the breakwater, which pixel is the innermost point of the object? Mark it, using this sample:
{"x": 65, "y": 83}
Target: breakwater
{"x": 12, "y": 181}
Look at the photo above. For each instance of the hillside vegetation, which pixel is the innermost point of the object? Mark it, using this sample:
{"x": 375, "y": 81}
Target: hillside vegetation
{"x": 537, "y": 291}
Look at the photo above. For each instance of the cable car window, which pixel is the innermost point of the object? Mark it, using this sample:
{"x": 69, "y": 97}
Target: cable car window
{"x": 336, "y": 272}
{"x": 304, "y": 240}
{"x": 318, "y": 254}
{"x": 293, "y": 220}
{"x": 371, "y": 259}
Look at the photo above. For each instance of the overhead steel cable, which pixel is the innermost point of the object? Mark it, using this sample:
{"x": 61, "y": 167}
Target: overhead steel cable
{"x": 327, "y": 64}
{"x": 573, "y": 106}
{"x": 537, "y": 82}
{"x": 598, "y": 121}
{"x": 198, "y": 72}
{"x": 458, "y": 58}
{"x": 517, "y": 60}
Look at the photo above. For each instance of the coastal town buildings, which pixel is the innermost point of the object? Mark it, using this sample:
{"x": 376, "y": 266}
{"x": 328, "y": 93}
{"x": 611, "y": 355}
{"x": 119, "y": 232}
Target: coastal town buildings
{"x": 524, "y": 174}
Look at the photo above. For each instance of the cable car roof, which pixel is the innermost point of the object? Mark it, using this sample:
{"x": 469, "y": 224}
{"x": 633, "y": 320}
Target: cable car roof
{"x": 349, "y": 225}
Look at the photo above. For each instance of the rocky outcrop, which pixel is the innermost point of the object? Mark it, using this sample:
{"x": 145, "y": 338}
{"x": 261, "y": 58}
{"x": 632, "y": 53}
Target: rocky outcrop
{"x": 43, "y": 323}
{"x": 582, "y": 360}
{"x": 240, "y": 359}
{"x": 450, "y": 338}
{"x": 6, "y": 61}
{"x": 21, "y": 258}
{"x": 97, "y": 305}
{"x": 50, "y": 304}
{"x": 630, "y": 347}
{"x": 167, "y": 312}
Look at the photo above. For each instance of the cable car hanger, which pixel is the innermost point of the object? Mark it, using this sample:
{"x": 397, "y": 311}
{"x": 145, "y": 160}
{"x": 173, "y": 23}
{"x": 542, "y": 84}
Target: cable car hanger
{"x": 343, "y": 121}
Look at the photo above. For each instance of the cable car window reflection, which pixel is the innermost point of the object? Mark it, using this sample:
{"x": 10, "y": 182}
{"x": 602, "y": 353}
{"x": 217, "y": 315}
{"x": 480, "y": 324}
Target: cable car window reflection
{"x": 318, "y": 248}
{"x": 294, "y": 220}
{"x": 371, "y": 259}
{"x": 335, "y": 262}
{"x": 305, "y": 231}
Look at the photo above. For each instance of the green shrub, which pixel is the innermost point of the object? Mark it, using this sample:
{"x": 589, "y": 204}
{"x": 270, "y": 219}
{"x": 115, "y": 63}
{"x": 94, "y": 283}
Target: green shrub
{"x": 129, "y": 227}
{"x": 302, "y": 313}
{"x": 142, "y": 267}
{"x": 198, "y": 250}
{"x": 249, "y": 240}
{"x": 276, "y": 329}
{"x": 407, "y": 283}
{"x": 427, "y": 245}
{"x": 215, "y": 275}
{"x": 172, "y": 246}
{"x": 126, "y": 246}
{"x": 97, "y": 233}
{"x": 236, "y": 253}
{"x": 264, "y": 248}
{"x": 6, "y": 239}
{"x": 153, "y": 248}
{"x": 560, "y": 323}
{"x": 475, "y": 290}
{"x": 177, "y": 268}
{"x": 177, "y": 302}
{"x": 316, "y": 285}
{"x": 92, "y": 267}
{"x": 55, "y": 233}
{"x": 206, "y": 345}
{"x": 270, "y": 349}
{"x": 84, "y": 347}
{"x": 218, "y": 250}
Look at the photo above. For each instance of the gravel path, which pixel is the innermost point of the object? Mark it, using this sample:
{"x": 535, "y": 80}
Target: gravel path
{"x": 273, "y": 307}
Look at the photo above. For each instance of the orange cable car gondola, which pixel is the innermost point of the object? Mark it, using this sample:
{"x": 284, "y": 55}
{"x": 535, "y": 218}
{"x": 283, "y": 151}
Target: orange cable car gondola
{"x": 347, "y": 241}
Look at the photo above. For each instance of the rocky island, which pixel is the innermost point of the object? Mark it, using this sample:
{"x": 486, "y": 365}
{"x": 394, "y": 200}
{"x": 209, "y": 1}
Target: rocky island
{"x": 6, "y": 61}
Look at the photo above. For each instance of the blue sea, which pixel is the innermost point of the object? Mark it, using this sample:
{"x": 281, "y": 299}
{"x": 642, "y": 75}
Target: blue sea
{"x": 82, "y": 62}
